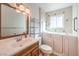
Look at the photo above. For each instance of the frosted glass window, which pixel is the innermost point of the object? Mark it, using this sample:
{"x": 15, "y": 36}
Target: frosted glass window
{"x": 56, "y": 21}
{"x": 53, "y": 22}
{"x": 59, "y": 21}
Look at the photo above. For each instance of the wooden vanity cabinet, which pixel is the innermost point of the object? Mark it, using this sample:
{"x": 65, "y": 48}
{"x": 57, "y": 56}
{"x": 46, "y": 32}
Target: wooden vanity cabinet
{"x": 32, "y": 50}
{"x": 35, "y": 52}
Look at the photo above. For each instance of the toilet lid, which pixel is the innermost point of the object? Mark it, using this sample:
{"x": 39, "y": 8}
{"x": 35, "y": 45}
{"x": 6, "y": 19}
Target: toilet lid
{"x": 45, "y": 47}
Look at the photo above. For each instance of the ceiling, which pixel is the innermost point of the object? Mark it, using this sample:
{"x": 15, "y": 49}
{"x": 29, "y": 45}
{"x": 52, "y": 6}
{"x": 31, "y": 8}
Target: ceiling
{"x": 51, "y": 6}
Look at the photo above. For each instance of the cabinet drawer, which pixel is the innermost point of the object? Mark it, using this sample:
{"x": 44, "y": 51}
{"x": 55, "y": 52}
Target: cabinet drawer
{"x": 35, "y": 52}
{"x": 27, "y": 51}
{"x": 34, "y": 48}
{"x": 29, "y": 54}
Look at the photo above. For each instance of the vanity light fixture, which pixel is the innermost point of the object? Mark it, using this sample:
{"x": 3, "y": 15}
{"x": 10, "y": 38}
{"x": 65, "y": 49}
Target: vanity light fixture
{"x": 24, "y": 13}
{"x": 27, "y": 11}
{"x": 18, "y": 11}
{"x": 16, "y": 6}
{"x": 21, "y": 9}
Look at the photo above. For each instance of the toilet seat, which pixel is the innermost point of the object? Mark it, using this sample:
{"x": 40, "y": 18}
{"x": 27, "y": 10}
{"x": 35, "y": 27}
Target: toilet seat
{"x": 46, "y": 49}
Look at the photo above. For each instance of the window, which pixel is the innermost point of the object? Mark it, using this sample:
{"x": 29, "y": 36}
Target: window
{"x": 56, "y": 21}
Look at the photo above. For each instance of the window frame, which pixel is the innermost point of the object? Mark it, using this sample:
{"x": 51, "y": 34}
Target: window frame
{"x": 57, "y": 21}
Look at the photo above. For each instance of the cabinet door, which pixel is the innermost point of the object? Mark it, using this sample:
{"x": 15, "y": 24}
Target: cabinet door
{"x": 69, "y": 45}
{"x": 65, "y": 45}
{"x": 57, "y": 43}
{"x": 72, "y": 46}
{"x": 35, "y": 52}
{"x": 29, "y": 54}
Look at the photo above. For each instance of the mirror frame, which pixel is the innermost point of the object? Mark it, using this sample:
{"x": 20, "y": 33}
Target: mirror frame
{"x": 27, "y": 23}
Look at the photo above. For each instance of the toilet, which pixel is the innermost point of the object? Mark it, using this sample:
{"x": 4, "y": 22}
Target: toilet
{"x": 45, "y": 49}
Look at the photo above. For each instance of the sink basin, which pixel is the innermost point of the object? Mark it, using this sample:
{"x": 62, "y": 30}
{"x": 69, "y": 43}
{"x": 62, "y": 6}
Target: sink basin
{"x": 25, "y": 42}
{"x": 20, "y": 43}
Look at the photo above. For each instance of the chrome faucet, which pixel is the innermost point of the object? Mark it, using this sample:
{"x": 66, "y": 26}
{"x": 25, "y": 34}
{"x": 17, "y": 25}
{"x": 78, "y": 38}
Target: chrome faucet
{"x": 19, "y": 38}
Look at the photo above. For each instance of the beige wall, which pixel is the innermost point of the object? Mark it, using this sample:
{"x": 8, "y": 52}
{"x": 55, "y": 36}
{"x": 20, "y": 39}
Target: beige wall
{"x": 74, "y": 14}
{"x": 67, "y": 16}
{"x": 34, "y": 10}
{"x": 78, "y": 28}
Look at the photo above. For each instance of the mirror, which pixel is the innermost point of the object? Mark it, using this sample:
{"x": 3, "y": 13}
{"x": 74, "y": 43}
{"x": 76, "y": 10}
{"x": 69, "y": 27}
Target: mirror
{"x": 12, "y": 23}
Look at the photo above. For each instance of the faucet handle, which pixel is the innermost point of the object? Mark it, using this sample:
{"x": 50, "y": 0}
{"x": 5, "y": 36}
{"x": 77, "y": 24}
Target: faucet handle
{"x": 17, "y": 39}
{"x": 21, "y": 36}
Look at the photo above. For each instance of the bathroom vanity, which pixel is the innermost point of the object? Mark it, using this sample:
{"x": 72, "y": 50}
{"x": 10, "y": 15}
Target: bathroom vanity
{"x": 32, "y": 50}
{"x": 25, "y": 47}
{"x": 14, "y": 24}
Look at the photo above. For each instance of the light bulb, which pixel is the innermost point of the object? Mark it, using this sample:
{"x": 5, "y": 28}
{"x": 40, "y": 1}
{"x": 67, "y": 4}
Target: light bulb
{"x": 24, "y": 13}
{"x": 15, "y": 5}
{"x": 21, "y": 7}
{"x": 27, "y": 11}
{"x": 18, "y": 11}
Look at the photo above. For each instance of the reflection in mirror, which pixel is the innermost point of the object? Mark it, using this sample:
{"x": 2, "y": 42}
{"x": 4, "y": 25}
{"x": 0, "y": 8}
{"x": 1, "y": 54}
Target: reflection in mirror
{"x": 12, "y": 23}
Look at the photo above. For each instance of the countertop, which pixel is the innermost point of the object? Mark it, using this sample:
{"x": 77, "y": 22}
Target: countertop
{"x": 9, "y": 47}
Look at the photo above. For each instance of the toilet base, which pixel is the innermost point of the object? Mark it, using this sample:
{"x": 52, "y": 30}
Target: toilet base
{"x": 44, "y": 54}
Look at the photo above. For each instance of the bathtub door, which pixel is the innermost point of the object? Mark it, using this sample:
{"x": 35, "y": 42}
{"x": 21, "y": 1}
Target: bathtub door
{"x": 72, "y": 46}
{"x": 69, "y": 45}
{"x": 65, "y": 46}
{"x": 58, "y": 44}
